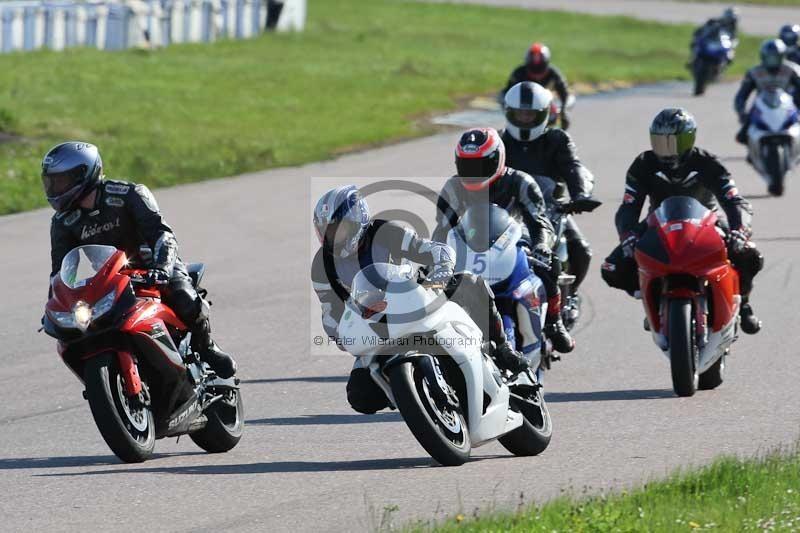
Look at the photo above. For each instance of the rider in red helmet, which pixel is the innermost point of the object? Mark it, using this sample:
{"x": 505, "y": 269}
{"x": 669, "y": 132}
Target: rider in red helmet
{"x": 537, "y": 68}
{"x": 484, "y": 177}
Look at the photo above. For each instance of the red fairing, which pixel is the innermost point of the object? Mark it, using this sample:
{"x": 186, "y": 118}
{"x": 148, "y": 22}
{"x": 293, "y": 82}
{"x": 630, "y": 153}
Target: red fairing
{"x": 693, "y": 249}
{"x": 106, "y": 279}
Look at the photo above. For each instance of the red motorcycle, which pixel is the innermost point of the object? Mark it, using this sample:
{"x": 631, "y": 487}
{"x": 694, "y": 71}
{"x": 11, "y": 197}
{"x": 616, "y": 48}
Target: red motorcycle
{"x": 690, "y": 292}
{"x": 143, "y": 381}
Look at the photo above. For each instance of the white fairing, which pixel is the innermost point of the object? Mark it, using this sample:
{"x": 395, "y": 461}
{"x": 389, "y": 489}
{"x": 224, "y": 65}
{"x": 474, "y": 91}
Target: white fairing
{"x": 769, "y": 121}
{"x": 454, "y": 332}
{"x": 495, "y": 264}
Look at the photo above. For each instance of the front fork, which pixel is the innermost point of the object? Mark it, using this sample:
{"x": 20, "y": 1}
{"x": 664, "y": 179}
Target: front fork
{"x": 700, "y": 307}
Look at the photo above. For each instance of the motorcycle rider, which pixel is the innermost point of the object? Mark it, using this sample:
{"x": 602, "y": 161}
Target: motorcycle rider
{"x": 790, "y": 35}
{"x": 534, "y": 148}
{"x": 728, "y": 23}
{"x": 537, "y": 68}
{"x": 676, "y": 167}
{"x": 91, "y": 209}
{"x": 774, "y": 72}
{"x": 351, "y": 240}
{"x": 484, "y": 177}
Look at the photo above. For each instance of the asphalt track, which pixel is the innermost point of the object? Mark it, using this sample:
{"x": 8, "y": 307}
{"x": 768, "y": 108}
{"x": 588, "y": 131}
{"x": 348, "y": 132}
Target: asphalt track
{"x": 308, "y": 463}
{"x": 755, "y": 19}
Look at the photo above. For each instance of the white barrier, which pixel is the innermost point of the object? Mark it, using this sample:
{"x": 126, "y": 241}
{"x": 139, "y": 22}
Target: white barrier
{"x": 29, "y": 25}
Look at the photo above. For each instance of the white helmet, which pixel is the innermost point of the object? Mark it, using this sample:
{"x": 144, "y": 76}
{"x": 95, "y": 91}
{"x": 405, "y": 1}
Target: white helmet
{"x": 527, "y": 108}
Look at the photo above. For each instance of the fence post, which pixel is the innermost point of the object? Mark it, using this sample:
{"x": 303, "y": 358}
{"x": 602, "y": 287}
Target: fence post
{"x": 29, "y": 28}
{"x": 8, "y": 32}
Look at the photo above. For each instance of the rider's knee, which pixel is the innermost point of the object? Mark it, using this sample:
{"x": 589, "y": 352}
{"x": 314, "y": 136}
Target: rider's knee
{"x": 363, "y": 394}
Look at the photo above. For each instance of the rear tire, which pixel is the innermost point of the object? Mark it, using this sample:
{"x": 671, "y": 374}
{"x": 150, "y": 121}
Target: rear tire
{"x": 714, "y": 376}
{"x": 682, "y": 350}
{"x": 774, "y": 163}
{"x": 533, "y": 436}
{"x": 127, "y": 428}
{"x": 225, "y": 425}
{"x": 448, "y": 443}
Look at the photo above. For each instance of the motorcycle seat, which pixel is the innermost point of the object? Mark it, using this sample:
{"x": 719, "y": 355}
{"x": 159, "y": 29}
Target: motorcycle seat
{"x": 196, "y": 271}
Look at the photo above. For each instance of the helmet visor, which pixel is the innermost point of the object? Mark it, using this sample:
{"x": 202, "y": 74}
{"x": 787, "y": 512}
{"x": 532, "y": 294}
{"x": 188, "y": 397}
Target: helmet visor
{"x": 671, "y": 146}
{"x": 58, "y": 183}
{"x": 476, "y": 169}
{"x": 339, "y": 234}
{"x": 527, "y": 119}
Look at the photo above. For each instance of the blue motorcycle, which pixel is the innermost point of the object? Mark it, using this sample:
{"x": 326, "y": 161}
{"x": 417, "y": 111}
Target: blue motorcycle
{"x": 712, "y": 54}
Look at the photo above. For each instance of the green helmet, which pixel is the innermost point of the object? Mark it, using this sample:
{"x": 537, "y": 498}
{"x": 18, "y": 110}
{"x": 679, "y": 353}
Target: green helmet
{"x": 672, "y": 135}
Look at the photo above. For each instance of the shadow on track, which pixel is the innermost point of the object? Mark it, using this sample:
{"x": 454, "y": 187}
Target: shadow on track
{"x": 282, "y": 467}
{"x": 23, "y": 463}
{"x": 299, "y": 379}
{"x": 324, "y": 420}
{"x": 608, "y": 395}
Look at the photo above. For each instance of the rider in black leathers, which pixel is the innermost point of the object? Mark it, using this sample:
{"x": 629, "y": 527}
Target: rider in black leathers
{"x": 728, "y": 23}
{"x": 542, "y": 151}
{"x": 774, "y": 72}
{"x": 351, "y": 240}
{"x": 675, "y": 167}
{"x": 488, "y": 179}
{"x": 94, "y": 210}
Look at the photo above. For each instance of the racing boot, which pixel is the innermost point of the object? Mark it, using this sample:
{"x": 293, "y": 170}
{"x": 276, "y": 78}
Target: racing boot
{"x": 507, "y": 358}
{"x": 749, "y": 321}
{"x": 554, "y": 327}
{"x": 220, "y": 362}
{"x": 741, "y": 135}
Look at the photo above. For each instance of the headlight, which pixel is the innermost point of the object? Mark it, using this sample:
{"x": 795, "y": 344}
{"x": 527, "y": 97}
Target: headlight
{"x": 104, "y": 305}
{"x": 83, "y": 315}
{"x": 64, "y": 320}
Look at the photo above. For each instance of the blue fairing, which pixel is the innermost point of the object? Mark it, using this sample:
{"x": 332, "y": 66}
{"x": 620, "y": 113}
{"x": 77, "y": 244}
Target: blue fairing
{"x": 505, "y": 291}
{"x": 521, "y": 272}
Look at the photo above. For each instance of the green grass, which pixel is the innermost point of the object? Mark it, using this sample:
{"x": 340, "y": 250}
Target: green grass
{"x": 364, "y": 72}
{"x": 760, "y": 494}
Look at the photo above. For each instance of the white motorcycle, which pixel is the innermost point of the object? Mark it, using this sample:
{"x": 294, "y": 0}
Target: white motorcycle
{"x": 429, "y": 358}
{"x": 773, "y": 137}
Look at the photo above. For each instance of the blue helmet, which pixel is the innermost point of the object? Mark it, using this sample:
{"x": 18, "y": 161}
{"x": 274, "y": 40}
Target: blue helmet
{"x": 789, "y": 34}
{"x": 773, "y": 52}
{"x": 340, "y": 218}
{"x": 70, "y": 171}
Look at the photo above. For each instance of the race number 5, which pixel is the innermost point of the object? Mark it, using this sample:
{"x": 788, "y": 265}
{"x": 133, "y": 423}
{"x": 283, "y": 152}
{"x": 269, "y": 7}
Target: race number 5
{"x": 479, "y": 263}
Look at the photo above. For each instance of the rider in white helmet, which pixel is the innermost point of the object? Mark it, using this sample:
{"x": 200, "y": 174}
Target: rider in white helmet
{"x": 534, "y": 148}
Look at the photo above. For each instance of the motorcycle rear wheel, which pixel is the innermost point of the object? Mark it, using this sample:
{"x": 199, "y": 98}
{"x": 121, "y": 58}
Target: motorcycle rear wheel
{"x": 533, "y": 436}
{"x": 126, "y": 426}
{"x": 442, "y": 432}
{"x": 774, "y": 163}
{"x": 225, "y": 425}
{"x": 682, "y": 349}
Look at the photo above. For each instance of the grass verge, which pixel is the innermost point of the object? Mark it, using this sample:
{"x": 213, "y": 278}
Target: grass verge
{"x": 761, "y": 494}
{"x": 360, "y": 75}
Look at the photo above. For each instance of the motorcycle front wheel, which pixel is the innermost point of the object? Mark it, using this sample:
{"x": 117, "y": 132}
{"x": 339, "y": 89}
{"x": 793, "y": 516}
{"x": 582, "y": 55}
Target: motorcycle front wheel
{"x": 533, "y": 436}
{"x": 125, "y": 423}
{"x": 440, "y": 429}
{"x": 702, "y": 75}
{"x": 682, "y": 349}
{"x": 774, "y": 161}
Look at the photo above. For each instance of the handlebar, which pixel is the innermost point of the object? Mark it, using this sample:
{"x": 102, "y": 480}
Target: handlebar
{"x": 581, "y": 205}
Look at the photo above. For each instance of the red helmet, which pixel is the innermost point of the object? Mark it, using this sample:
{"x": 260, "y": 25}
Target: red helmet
{"x": 480, "y": 158}
{"x": 537, "y": 60}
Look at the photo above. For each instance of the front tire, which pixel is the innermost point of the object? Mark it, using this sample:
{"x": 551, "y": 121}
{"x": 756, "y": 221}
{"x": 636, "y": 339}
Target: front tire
{"x": 774, "y": 162}
{"x": 682, "y": 349}
{"x": 533, "y": 436}
{"x": 125, "y": 423}
{"x": 225, "y": 425}
{"x": 702, "y": 74}
{"x": 442, "y": 431}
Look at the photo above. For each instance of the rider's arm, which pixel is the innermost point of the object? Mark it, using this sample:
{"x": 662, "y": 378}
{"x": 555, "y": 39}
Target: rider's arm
{"x": 446, "y": 211}
{"x": 636, "y": 191}
{"x": 740, "y": 100}
{"x": 794, "y": 81}
{"x": 560, "y": 83}
{"x": 534, "y": 212}
{"x": 517, "y": 75}
{"x": 404, "y": 242}
{"x": 717, "y": 179}
{"x": 579, "y": 179}
{"x": 325, "y": 288}
{"x": 153, "y": 228}
{"x": 61, "y": 242}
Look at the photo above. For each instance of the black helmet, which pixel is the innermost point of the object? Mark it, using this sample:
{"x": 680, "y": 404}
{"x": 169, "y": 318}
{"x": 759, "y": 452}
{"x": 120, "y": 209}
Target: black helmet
{"x": 672, "y": 135}
{"x": 70, "y": 171}
{"x": 790, "y": 34}
{"x": 772, "y": 53}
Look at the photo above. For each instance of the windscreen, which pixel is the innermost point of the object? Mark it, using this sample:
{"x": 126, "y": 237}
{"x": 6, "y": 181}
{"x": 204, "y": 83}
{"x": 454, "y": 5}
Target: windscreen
{"x": 373, "y": 282}
{"x": 482, "y": 225}
{"x": 680, "y": 208}
{"x": 83, "y": 263}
